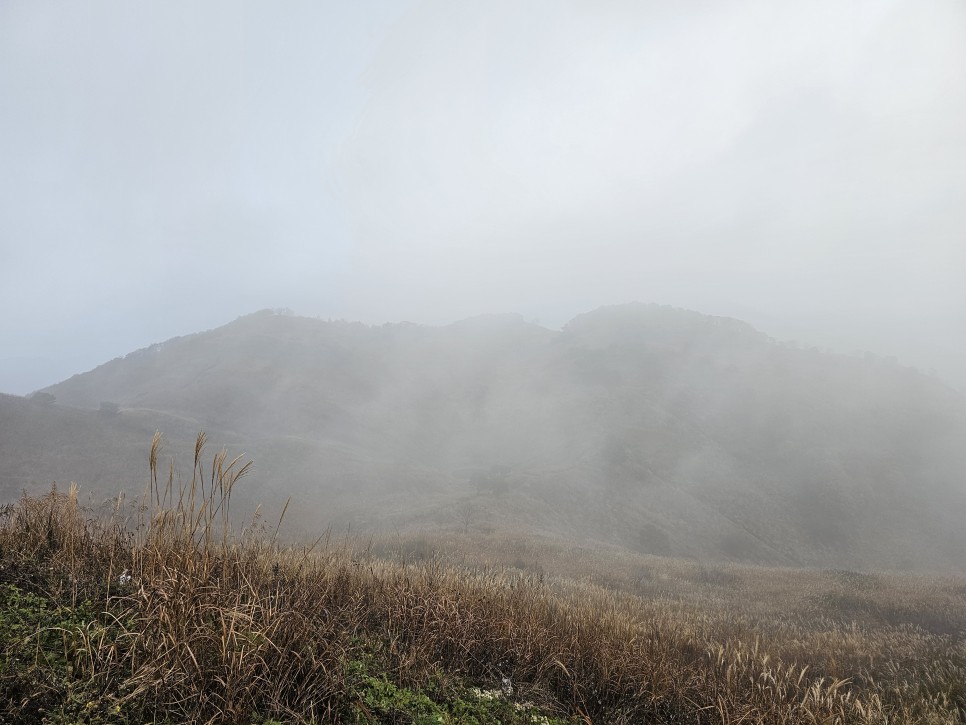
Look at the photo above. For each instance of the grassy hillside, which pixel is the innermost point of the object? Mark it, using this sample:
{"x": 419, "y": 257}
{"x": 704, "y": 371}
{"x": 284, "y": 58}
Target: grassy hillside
{"x": 42, "y": 444}
{"x": 161, "y": 613}
{"x": 660, "y": 430}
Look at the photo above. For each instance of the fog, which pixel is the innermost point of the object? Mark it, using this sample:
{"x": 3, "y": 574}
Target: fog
{"x": 646, "y": 427}
{"x": 167, "y": 167}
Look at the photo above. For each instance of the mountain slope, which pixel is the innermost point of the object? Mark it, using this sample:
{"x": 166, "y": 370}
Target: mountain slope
{"x": 659, "y": 429}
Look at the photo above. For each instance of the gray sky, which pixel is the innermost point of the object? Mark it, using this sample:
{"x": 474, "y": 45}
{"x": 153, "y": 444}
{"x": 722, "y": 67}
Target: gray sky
{"x": 168, "y": 166}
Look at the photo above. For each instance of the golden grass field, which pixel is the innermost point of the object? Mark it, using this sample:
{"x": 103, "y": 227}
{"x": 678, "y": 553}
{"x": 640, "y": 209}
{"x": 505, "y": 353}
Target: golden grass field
{"x": 166, "y": 610}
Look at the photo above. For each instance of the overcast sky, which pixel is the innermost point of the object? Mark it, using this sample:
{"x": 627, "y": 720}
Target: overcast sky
{"x": 166, "y": 167}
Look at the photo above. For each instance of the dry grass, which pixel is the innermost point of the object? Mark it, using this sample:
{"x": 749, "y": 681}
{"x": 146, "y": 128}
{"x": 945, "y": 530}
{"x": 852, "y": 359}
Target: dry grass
{"x": 216, "y": 625}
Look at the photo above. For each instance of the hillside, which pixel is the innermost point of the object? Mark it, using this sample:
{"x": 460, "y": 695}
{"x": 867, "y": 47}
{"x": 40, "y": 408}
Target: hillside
{"x": 162, "y": 613}
{"x": 657, "y": 429}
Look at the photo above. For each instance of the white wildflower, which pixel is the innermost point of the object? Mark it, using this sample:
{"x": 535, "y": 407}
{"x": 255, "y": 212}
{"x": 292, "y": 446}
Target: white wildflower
{"x": 484, "y": 694}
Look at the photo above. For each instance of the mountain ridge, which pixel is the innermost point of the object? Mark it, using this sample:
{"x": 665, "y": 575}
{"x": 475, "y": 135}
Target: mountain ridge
{"x": 659, "y": 429}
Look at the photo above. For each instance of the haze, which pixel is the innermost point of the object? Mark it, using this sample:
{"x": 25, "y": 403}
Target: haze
{"x": 167, "y": 167}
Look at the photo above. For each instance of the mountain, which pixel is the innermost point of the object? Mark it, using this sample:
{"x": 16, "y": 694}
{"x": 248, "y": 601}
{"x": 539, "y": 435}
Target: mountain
{"x": 43, "y": 443}
{"x": 659, "y": 429}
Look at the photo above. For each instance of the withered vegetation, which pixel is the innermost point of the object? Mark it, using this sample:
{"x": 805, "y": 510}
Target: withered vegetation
{"x": 166, "y": 610}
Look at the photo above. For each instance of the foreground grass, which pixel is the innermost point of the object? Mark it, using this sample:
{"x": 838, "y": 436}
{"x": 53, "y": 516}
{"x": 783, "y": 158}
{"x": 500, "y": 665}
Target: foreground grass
{"x": 159, "y": 613}
{"x": 43, "y": 682}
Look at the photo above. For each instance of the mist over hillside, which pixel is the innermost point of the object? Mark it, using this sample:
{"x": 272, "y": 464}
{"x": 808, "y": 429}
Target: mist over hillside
{"x": 658, "y": 429}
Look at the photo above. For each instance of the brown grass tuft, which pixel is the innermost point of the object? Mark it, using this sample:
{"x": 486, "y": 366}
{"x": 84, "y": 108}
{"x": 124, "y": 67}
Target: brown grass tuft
{"x": 195, "y": 622}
